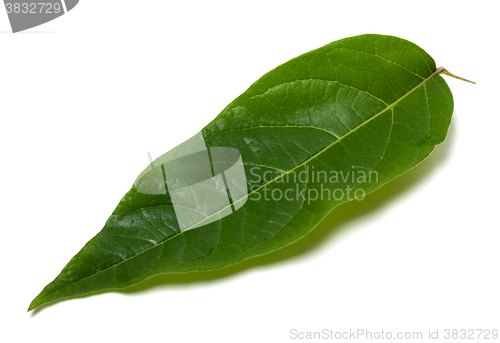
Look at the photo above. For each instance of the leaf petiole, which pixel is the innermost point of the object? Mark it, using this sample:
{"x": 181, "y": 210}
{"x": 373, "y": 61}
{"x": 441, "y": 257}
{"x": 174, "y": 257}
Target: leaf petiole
{"x": 442, "y": 70}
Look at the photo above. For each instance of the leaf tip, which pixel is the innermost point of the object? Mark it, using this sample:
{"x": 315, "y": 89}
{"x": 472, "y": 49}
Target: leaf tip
{"x": 33, "y": 305}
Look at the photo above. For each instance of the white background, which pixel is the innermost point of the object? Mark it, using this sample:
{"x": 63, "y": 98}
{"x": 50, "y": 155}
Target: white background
{"x": 85, "y": 97}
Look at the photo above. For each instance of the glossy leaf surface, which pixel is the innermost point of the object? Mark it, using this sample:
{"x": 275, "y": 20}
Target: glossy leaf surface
{"x": 371, "y": 105}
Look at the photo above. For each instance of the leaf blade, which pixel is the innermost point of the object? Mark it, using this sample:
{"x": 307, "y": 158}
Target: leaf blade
{"x": 351, "y": 102}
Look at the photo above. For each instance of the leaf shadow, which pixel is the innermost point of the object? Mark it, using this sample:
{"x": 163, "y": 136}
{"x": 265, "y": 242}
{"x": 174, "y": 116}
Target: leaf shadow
{"x": 339, "y": 219}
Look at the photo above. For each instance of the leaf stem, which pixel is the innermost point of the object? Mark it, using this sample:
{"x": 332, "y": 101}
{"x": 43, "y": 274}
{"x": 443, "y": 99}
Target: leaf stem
{"x": 442, "y": 70}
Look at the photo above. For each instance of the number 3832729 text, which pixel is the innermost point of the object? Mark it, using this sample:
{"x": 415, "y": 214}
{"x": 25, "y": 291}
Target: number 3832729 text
{"x": 33, "y": 7}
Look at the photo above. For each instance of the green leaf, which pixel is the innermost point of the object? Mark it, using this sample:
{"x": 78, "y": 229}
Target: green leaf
{"x": 367, "y": 105}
